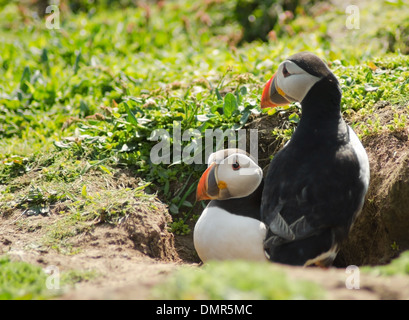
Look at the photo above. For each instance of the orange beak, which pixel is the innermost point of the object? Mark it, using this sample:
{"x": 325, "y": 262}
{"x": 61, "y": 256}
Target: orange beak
{"x": 265, "y": 97}
{"x": 272, "y": 95}
{"x": 203, "y": 189}
{"x": 210, "y": 188}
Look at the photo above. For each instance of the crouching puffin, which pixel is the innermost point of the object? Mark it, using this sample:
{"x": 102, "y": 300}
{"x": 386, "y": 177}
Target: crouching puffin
{"x": 316, "y": 185}
{"x": 230, "y": 226}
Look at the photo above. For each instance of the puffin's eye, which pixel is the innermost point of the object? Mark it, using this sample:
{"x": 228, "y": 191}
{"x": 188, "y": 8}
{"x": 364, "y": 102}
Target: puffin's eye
{"x": 235, "y": 166}
{"x": 285, "y": 72}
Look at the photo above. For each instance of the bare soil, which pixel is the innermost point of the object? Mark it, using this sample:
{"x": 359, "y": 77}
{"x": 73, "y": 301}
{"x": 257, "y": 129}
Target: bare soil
{"x": 381, "y": 231}
{"x": 122, "y": 272}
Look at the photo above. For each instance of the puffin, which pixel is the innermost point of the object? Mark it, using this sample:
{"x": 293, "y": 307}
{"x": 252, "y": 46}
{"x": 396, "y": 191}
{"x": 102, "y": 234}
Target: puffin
{"x": 230, "y": 226}
{"x": 316, "y": 184}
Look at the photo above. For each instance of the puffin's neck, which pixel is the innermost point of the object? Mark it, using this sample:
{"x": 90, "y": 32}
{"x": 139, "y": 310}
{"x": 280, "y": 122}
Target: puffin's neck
{"x": 248, "y": 206}
{"x": 321, "y": 118}
{"x": 323, "y": 101}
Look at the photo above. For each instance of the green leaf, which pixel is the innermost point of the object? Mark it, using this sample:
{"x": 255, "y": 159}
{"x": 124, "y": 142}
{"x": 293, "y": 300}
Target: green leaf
{"x": 35, "y": 210}
{"x": 187, "y": 204}
{"x": 105, "y": 169}
{"x": 143, "y": 186}
{"x": 243, "y": 90}
{"x": 294, "y": 118}
{"x": 166, "y": 188}
{"x": 217, "y": 107}
{"x": 25, "y": 79}
{"x": 84, "y": 109}
{"x": 77, "y": 61}
{"x": 131, "y": 117}
{"x": 84, "y": 192}
{"x": 45, "y": 61}
{"x": 85, "y": 169}
{"x": 173, "y": 208}
{"x": 245, "y": 117}
{"x": 238, "y": 97}
{"x": 218, "y": 95}
{"x": 230, "y": 105}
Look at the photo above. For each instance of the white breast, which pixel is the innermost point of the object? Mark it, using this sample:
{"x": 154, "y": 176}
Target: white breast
{"x": 220, "y": 235}
{"x": 362, "y": 158}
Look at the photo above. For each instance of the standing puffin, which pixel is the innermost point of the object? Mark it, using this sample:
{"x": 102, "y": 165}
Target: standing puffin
{"x": 316, "y": 185}
{"x": 230, "y": 226}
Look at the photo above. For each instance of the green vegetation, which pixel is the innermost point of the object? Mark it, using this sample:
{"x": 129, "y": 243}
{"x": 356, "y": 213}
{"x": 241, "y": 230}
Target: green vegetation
{"x": 244, "y": 280}
{"x": 231, "y": 280}
{"x": 23, "y": 281}
{"x": 82, "y": 193}
{"x": 101, "y": 85}
{"x": 398, "y": 266}
{"x": 79, "y": 105}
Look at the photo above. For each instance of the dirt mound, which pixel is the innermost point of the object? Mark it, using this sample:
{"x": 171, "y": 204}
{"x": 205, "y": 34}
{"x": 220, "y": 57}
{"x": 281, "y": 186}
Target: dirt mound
{"x": 142, "y": 219}
{"x": 268, "y": 144}
{"x": 381, "y": 230}
{"x": 148, "y": 229}
{"x": 145, "y": 220}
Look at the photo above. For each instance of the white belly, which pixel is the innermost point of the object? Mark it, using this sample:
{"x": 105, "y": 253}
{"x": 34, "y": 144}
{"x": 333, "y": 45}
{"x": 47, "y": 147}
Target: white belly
{"x": 220, "y": 235}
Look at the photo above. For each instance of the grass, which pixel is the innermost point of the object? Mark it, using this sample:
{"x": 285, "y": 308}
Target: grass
{"x": 398, "y": 266}
{"x": 21, "y": 281}
{"x": 81, "y": 194}
{"x": 80, "y": 104}
{"x": 236, "y": 280}
{"x": 24, "y": 281}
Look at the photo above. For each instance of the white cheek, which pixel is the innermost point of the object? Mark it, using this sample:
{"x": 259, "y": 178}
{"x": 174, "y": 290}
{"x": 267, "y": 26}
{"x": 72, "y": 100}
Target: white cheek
{"x": 297, "y": 86}
{"x": 241, "y": 183}
{"x": 226, "y": 174}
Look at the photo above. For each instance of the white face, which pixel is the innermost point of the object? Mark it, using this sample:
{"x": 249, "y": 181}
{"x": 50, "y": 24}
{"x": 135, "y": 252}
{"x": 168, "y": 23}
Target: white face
{"x": 240, "y": 174}
{"x": 293, "y": 81}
